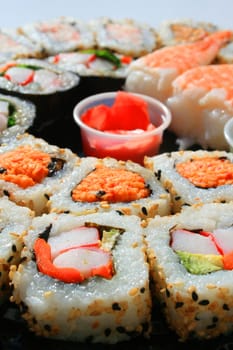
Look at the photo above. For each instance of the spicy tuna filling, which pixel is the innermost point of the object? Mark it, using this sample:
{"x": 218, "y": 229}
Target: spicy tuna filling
{"x": 25, "y": 166}
{"x": 207, "y": 172}
{"x": 112, "y": 185}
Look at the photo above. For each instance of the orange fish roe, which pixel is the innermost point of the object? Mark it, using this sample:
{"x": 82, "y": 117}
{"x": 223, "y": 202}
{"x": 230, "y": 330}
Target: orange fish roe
{"x": 111, "y": 185}
{"x": 209, "y": 77}
{"x": 207, "y": 172}
{"x": 186, "y": 56}
{"x": 24, "y": 166}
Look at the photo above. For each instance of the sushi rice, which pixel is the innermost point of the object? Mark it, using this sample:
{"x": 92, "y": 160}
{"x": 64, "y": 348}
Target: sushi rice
{"x": 12, "y": 228}
{"x": 17, "y": 116}
{"x": 157, "y": 202}
{"x": 196, "y": 306}
{"x": 37, "y": 195}
{"x": 98, "y": 310}
{"x": 183, "y": 191}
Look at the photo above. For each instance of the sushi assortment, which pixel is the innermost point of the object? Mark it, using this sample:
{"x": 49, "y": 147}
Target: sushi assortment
{"x": 101, "y": 250}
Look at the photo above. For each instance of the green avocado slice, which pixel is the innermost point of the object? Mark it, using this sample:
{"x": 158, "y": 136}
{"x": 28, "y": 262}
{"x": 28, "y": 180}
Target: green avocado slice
{"x": 200, "y": 264}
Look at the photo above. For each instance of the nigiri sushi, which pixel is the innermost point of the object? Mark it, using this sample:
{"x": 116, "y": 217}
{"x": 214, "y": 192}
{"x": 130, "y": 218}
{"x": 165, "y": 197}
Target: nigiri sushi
{"x": 201, "y": 104}
{"x": 154, "y": 73}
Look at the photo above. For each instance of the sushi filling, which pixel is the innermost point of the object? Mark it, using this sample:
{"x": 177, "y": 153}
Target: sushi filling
{"x": 27, "y": 167}
{"x": 76, "y": 255}
{"x": 7, "y": 114}
{"x": 203, "y": 252}
{"x": 111, "y": 185}
{"x": 32, "y": 76}
{"x": 207, "y": 172}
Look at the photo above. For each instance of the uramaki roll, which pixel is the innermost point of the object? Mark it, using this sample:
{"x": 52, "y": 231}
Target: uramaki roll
{"x": 100, "y": 185}
{"x": 104, "y": 298}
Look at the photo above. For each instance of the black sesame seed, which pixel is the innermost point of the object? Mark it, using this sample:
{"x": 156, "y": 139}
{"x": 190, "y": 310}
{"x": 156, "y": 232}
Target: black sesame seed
{"x": 194, "y": 296}
{"x": 215, "y": 319}
{"x": 204, "y": 302}
{"x": 6, "y": 193}
{"x": 46, "y": 196}
{"x": 179, "y": 304}
{"x": 225, "y": 307}
{"x": 120, "y": 329}
{"x": 116, "y": 306}
{"x": 10, "y": 258}
{"x": 14, "y": 249}
{"x": 177, "y": 198}
{"x": 66, "y": 212}
{"x": 168, "y": 293}
{"x": 100, "y": 194}
{"x": 211, "y": 326}
{"x": 2, "y": 170}
{"x": 144, "y": 211}
{"x": 47, "y": 327}
{"x": 142, "y": 290}
{"x": 107, "y": 332}
{"x": 119, "y": 212}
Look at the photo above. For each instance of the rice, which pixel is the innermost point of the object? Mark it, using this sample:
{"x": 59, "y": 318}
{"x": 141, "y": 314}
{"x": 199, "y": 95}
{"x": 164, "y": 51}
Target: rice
{"x": 157, "y": 202}
{"x": 36, "y": 195}
{"x": 184, "y": 191}
{"x": 12, "y": 228}
{"x": 195, "y": 306}
{"x": 98, "y": 310}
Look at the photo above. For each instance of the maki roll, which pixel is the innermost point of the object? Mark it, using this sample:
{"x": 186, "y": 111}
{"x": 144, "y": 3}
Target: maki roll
{"x": 194, "y": 177}
{"x": 84, "y": 278}
{"x": 100, "y": 70}
{"x": 14, "y": 45}
{"x": 62, "y": 34}
{"x": 14, "y": 223}
{"x": 16, "y": 117}
{"x": 100, "y": 185}
{"x": 48, "y": 87}
{"x": 31, "y": 170}
{"x": 181, "y": 31}
{"x": 190, "y": 256}
{"x": 126, "y": 36}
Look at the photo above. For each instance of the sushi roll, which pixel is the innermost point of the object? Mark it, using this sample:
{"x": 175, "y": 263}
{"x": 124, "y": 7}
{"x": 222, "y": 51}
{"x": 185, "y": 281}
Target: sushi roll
{"x": 14, "y": 45}
{"x": 53, "y": 91}
{"x": 102, "y": 185}
{"x": 201, "y": 104}
{"x": 190, "y": 256}
{"x": 93, "y": 62}
{"x": 14, "y": 223}
{"x": 181, "y": 31}
{"x": 100, "y": 70}
{"x": 16, "y": 117}
{"x": 154, "y": 73}
{"x": 32, "y": 169}
{"x": 126, "y": 36}
{"x": 194, "y": 177}
{"x": 61, "y": 34}
{"x": 106, "y": 299}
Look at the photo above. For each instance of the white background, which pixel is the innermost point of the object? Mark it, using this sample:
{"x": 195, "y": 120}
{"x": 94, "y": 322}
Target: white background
{"x": 14, "y": 13}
